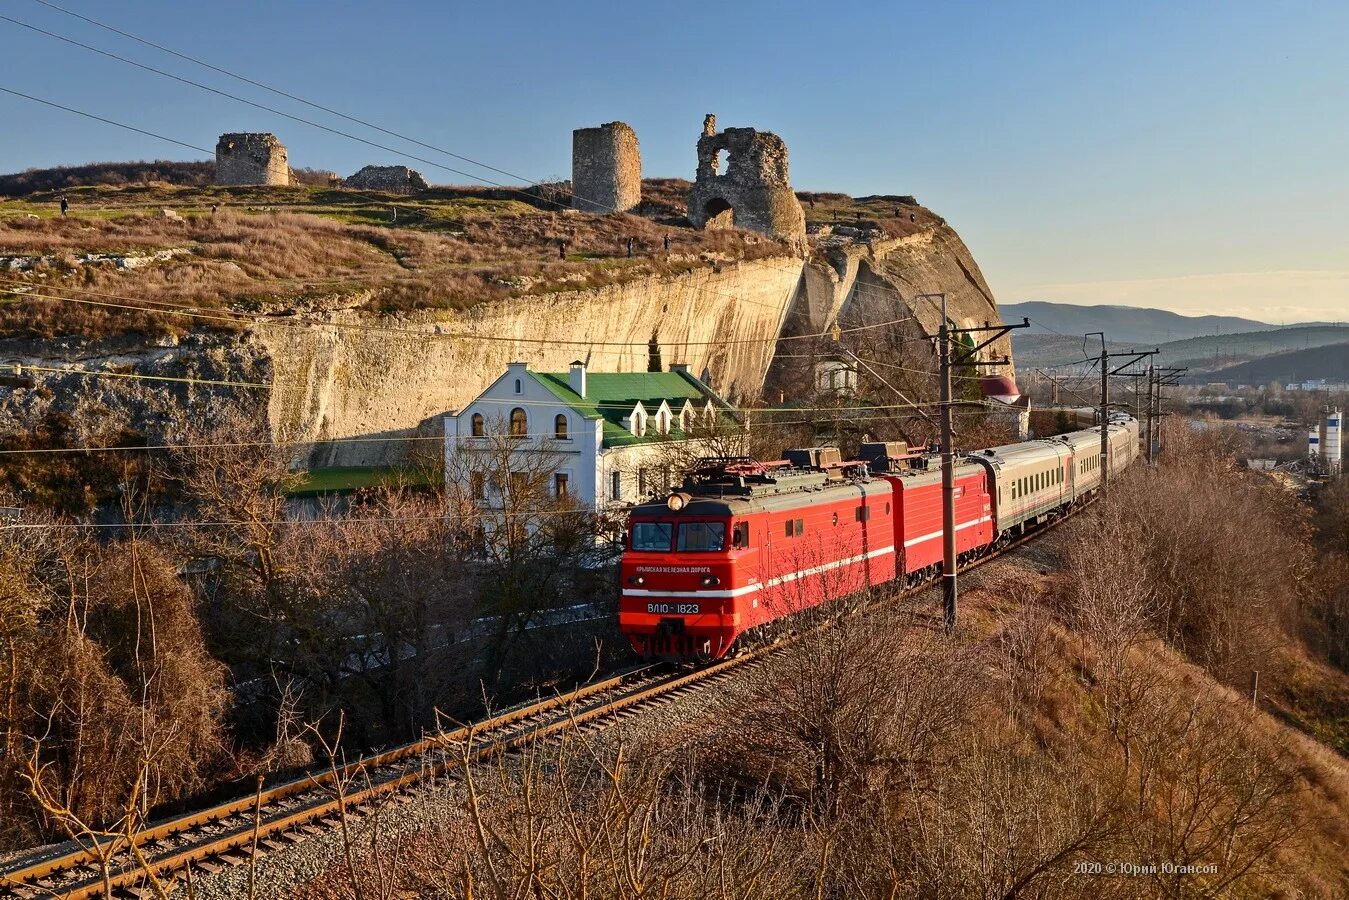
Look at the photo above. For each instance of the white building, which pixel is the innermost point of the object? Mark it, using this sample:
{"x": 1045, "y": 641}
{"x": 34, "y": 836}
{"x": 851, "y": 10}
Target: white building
{"x": 600, "y": 438}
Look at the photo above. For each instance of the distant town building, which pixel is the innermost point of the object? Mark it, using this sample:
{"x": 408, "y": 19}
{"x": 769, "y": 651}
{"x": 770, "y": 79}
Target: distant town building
{"x": 1319, "y": 384}
{"x": 600, "y": 438}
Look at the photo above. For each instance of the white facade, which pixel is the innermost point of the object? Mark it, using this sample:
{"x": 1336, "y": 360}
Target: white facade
{"x": 564, "y": 443}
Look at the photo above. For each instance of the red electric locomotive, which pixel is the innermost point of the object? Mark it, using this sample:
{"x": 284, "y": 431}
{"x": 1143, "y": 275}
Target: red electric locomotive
{"x": 745, "y": 543}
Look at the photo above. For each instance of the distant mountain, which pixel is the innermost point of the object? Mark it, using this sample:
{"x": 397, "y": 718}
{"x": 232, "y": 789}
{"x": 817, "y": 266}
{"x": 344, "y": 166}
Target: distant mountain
{"x": 1122, "y": 324}
{"x": 1210, "y": 358}
{"x": 1330, "y": 362}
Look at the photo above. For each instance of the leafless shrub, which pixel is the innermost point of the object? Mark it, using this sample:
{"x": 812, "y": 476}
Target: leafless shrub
{"x": 863, "y": 709}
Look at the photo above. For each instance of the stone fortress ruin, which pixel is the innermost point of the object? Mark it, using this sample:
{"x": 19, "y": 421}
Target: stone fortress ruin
{"x": 753, "y": 192}
{"x": 606, "y": 168}
{"x": 251, "y": 158}
{"x": 393, "y": 179}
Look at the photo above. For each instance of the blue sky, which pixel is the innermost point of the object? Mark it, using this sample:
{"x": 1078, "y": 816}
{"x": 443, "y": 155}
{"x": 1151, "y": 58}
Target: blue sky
{"x": 1189, "y": 156}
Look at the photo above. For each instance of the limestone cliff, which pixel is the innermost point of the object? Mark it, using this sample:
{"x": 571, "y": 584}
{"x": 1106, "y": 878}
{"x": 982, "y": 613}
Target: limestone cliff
{"x": 347, "y": 384}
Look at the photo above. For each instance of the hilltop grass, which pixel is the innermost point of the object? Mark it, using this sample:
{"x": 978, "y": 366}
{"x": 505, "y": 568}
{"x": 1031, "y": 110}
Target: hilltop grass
{"x": 274, "y": 248}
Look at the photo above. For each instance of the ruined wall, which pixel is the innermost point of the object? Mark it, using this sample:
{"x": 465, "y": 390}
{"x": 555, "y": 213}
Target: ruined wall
{"x": 754, "y": 191}
{"x": 251, "y": 158}
{"x": 606, "y": 168}
{"x": 393, "y": 179}
{"x": 359, "y": 382}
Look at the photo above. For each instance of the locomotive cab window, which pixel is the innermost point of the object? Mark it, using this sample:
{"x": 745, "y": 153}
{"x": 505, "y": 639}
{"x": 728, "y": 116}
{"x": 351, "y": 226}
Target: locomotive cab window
{"x": 702, "y": 536}
{"x": 653, "y": 537}
{"x": 740, "y": 535}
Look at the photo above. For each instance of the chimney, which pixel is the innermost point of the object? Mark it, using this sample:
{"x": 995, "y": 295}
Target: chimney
{"x": 681, "y": 368}
{"x": 576, "y": 379}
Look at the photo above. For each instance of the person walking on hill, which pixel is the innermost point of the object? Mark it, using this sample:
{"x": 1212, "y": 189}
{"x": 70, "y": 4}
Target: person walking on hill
{"x": 629, "y": 248}
{"x": 65, "y": 205}
{"x": 667, "y": 243}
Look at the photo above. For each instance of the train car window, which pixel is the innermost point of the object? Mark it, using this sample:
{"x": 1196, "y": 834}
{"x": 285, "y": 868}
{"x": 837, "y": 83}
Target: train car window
{"x": 863, "y": 513}
{"x": 790, "y": 530}
{"x": 800, "y": 526}
{"x": 653, "y": 537}
{"x": 835, "y": 518}
{"x": 740, "y": 535}
{"x": 887, "y": 507}
{"x": 702, "y": 536}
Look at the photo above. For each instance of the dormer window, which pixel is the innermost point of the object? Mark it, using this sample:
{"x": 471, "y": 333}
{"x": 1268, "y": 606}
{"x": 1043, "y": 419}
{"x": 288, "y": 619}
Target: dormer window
{"x": 663, "y": 422}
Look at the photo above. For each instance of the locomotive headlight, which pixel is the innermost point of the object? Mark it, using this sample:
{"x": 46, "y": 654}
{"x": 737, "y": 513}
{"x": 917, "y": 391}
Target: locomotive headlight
{"x": 637, "y": 579}
{"x": 678, "y": 501}
{"x": 711, "y": 581}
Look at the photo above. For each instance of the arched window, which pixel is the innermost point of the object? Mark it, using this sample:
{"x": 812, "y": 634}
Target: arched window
{"x": 519, "y": 423}
{"x": 479, "y": 426}
{"x": 560, "y": 427}
{"x": 518, "y": 389}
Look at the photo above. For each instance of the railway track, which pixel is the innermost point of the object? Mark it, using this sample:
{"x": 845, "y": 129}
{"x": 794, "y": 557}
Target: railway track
{"x": 233, "y": 832}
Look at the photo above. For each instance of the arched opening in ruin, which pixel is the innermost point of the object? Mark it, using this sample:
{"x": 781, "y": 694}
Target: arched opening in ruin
{"x": 717, "y": 213}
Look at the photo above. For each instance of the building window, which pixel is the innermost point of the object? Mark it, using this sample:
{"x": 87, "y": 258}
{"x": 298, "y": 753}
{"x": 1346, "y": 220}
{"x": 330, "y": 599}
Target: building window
{"x": 560, "y": 485}
{"x": 478, "y": 485}
{"x": 479, "y": 426}
{"x": 519, "y": 485}
{"x": 616, "y": 485}
{"x": 560, "y": 427}
{"x": 518, "y": 388}
{"x": 519, "y": 423}
{"x": 641, "y": 483}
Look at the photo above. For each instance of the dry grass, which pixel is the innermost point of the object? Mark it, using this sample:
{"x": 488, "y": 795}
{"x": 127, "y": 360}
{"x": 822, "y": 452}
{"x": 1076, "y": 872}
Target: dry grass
{"x": 448, "y": 248}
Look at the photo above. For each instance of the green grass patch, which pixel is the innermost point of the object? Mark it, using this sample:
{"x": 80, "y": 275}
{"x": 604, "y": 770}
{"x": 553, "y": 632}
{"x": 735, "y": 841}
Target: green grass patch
{"x": 346, "y": 479}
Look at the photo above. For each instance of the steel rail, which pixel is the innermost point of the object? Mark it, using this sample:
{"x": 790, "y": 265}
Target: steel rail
{"x": 497, "y": 738}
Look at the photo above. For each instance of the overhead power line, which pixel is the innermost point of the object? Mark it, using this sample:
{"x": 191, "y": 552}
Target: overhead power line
{"x": 262, "y": 106}
{"x": 860, "y": 289}
{"x": 89, "y": 115}
{"x": 279, "y": 92}
{"x": 24, "y": 367}
{"x": 43, "y": 293}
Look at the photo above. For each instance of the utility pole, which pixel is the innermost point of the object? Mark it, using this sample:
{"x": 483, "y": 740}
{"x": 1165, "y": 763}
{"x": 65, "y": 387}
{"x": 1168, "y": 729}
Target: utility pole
{"x": 1103, "y": 413}
{"x": 1165, "y": 377}
{"x": 1104, "y": 418}
{"x": 964, "y": 355}
{"x": 1152, "y": 374}
{"x": 948, "y": 476}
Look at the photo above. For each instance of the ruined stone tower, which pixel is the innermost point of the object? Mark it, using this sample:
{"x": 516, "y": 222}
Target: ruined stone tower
{"x": 754, "y": 191}
{"x": 606, "y": 168}
{"x": 251, "y": 158}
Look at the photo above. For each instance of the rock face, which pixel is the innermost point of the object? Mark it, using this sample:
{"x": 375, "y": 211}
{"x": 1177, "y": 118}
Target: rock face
{"x": 606, "y": 168}
{"x": 338, "y": 372}
{"x": 392, "y": 179}
{"x": 251, "y": 158}
{"x": 754, "y": 191}
{"x": 364, "y": 377}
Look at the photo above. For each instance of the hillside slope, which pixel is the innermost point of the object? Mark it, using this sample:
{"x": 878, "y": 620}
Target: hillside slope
{"x": 1330, "y": 362}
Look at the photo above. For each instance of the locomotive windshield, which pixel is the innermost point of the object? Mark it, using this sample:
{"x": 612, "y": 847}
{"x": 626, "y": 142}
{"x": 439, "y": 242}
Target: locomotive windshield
{"x": 652, "y": 536}
{"x": 702, "y": 536}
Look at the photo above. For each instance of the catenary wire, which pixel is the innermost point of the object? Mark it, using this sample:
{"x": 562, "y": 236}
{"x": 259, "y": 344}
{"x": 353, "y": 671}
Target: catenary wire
{"x": 89, "y": 115}
{"x": 163, "y": 73}
{"x": 44, "y": 293}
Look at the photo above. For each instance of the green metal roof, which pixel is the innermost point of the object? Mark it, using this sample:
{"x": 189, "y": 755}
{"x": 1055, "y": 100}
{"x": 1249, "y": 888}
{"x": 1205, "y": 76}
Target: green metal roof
{"x": 611, "y": 396}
